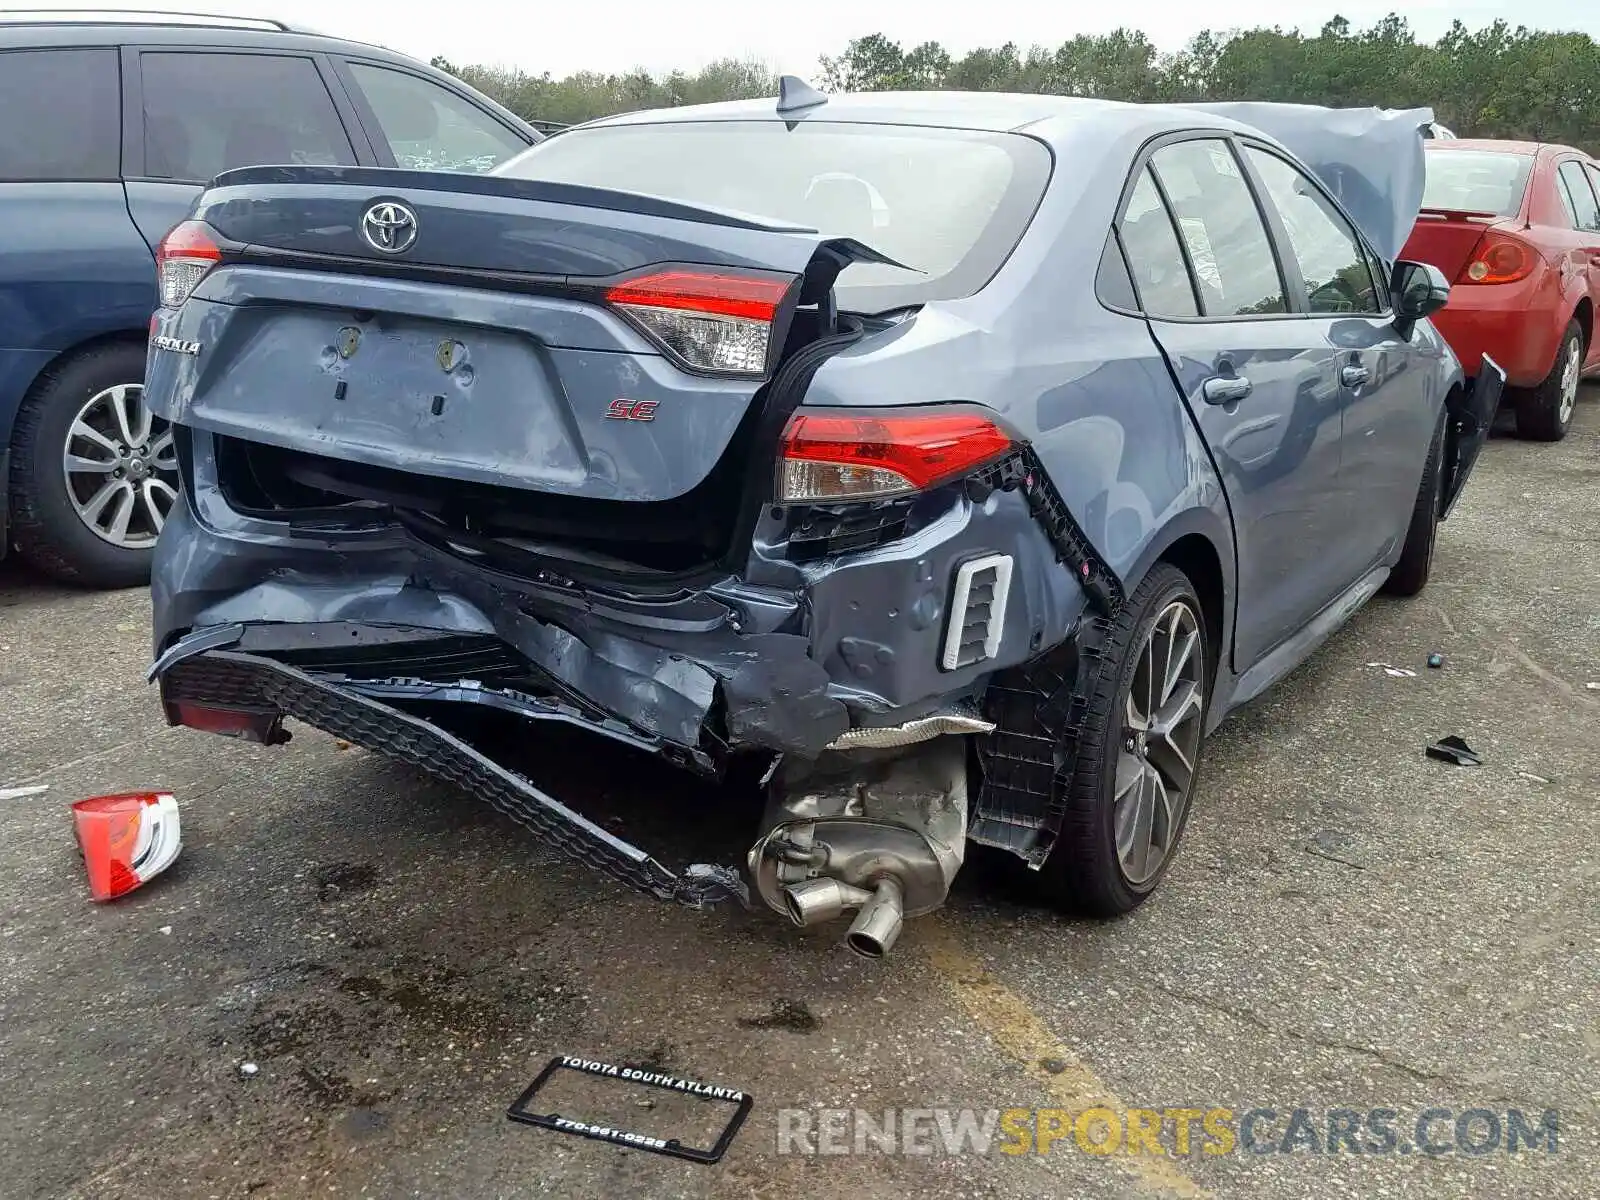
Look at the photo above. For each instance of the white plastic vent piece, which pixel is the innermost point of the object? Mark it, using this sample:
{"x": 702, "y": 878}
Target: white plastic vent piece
{"x": 977, "y": 611}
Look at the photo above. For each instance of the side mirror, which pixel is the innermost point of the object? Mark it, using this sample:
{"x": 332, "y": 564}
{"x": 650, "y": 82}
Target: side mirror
{"x": 1418, "y": 290}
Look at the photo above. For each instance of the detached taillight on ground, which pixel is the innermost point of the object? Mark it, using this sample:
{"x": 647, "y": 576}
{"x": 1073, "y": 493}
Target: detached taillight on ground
{"x": 127, "y": 839}
{"x": 876, "y": 455}
{"x": 717, "y": 322}
{"x": 182, "y": 260}
{"x": 1498, "y": 258}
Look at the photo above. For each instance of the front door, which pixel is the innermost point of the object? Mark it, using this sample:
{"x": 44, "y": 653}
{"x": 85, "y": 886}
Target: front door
{"x": 1261, "y": 381}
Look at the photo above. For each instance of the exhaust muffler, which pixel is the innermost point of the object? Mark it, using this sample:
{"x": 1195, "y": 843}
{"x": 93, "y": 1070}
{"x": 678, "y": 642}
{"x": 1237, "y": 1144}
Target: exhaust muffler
{"x": 878, "y": 831}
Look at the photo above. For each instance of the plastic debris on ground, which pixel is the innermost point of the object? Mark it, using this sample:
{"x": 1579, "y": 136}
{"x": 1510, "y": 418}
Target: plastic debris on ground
{"x": 19, "y": 793}
{"x": 1436, "y": 661}
{"x": 127, "y": 839}
{"x": 1454, "y": 750}
{"x": 1397, "y": 672}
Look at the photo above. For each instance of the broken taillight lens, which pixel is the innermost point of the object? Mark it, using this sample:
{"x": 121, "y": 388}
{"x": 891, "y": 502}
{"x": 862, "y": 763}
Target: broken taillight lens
{"x": 182, "y": 260}
{"x": 1498, "y": 258}
{"x": 712, "y": 321}
{"x": 126, "y": 839}
{"x": 836, "y": 456}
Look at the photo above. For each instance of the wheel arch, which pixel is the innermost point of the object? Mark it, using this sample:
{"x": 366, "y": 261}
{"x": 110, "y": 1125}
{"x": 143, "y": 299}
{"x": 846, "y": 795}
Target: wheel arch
{"x": 1199, "y": 542}
{"x": 1583, "y": 314}
{"x": 48, "y": 368}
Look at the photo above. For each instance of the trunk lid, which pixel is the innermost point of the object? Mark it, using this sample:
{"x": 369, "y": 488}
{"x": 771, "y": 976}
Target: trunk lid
{"x": 1446, "y": 238}
{"x": 533, "y": 343}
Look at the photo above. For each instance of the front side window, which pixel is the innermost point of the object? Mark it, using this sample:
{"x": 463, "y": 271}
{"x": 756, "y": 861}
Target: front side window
{"x": 1233, "y": 259}
{"x": 60, "y": 115}
{"x": 1154, "y": 254}
{"x": 1581, "y": 202}
{"x": 1333, "y": 266}
{"x": 429, "y": 127}
{"x": 206, "y": 113}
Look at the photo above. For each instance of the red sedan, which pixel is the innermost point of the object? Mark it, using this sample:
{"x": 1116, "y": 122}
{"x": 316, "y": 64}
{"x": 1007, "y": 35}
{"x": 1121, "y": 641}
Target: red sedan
{"x": 1515, "y": 226}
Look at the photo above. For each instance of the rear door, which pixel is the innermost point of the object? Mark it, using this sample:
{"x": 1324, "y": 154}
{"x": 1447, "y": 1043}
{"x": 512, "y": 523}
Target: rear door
{"x": 1388, "y": 418}
{"x": 420, "y": 124}
{"x": 194, "y": 113}
{"x": 71, "y": 265}
{"x": 1582, "y": 242}
{"x": 1260, "y": 380}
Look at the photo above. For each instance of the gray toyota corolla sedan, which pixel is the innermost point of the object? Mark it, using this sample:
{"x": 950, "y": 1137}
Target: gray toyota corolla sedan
{"x": 955, "y": 462}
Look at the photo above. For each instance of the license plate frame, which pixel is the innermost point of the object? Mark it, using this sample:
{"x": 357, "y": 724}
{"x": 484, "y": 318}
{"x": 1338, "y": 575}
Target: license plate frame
{"x": 742, "y": 1102}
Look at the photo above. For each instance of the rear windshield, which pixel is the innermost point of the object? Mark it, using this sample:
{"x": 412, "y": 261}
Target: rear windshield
{"x": 1476, "y": 181}
{"x": 948, "y": 203}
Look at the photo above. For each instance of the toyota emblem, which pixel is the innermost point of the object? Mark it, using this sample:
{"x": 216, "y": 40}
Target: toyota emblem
{"x": 389, "y": 227}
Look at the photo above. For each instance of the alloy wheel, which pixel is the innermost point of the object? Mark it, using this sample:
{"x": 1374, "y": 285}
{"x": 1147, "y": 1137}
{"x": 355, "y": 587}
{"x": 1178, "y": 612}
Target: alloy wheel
{"x": 121, "y": 467}
{"x": 1160, "y": 742}
{"x": 1571, "y": 370}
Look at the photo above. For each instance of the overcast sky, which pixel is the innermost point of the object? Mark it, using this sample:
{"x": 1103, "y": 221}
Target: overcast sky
{"x": 616, "y": 35}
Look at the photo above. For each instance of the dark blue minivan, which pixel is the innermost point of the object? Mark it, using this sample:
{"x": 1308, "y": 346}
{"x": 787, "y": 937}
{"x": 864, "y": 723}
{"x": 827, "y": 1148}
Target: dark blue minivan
{"x": 112, "y": 123}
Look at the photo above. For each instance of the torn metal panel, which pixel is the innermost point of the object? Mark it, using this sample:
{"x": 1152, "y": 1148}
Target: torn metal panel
{"x": 1371, "y": 159}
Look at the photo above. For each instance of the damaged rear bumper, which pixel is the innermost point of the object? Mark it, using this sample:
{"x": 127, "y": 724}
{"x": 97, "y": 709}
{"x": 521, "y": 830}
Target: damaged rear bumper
{"x": 227, "y": 680}
{"x": 373, "y": 635}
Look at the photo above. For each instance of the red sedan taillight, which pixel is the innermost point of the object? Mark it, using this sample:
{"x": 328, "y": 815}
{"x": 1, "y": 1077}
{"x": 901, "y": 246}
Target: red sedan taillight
{"x": 718, "y": 322}
{"x": 1498, "y": 258}
{"x": 182, "y": 260}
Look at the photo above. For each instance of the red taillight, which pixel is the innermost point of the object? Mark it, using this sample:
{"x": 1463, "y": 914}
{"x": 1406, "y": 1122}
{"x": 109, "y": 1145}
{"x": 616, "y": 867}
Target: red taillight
{"x": 712, "y": 321}
{"x": 875, "y": 455}
{"x": 182, "y": 260}
{"x": 126, "y": 839}
{"x": 1498, "y": 258}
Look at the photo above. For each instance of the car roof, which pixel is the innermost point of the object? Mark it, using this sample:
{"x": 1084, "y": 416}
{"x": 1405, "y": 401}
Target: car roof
{"x": 40, "y": 29}
{"x": 1505, "y": 145}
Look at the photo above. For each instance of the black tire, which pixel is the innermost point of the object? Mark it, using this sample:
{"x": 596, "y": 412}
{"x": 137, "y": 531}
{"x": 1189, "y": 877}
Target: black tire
{"x": 45, "y": 527}
{"x": 1410, "y": 573}
{"x": 1083, "y": 874}
{"x": 1544, "y": 413}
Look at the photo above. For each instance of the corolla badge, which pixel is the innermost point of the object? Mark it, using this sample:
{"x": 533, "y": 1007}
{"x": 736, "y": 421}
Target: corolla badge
{"x": 389, "y": 227}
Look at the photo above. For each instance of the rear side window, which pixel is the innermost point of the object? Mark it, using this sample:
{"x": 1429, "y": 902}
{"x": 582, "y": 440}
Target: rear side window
{"x": 949, "y": 204}
{"x": 1154, "y": 255}
{"x": 60, "y": 115}
{"x": 1490, "y": 182}
{"x": 1234, "y": 264}
{"x": 206, "y": 113}
{"x": 1582, "y": 206}
{"x": 430, "y": 128}
{"x": 1333, "y": 266}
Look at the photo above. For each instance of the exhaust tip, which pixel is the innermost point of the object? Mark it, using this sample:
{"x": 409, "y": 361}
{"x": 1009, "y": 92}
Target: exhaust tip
{"x": 865, "y": 945}
{"x": 819, "y": 900}
{"x": 877, "y": 926}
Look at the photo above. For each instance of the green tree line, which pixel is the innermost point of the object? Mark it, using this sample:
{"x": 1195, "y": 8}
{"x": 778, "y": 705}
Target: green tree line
{"x": 1496, "y": 81}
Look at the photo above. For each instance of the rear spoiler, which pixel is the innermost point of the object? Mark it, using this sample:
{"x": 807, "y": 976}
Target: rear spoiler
{"x": 1458, "y": 214}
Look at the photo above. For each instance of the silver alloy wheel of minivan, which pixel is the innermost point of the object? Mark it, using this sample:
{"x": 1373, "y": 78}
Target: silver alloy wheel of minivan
{"x": 121, "y": 468}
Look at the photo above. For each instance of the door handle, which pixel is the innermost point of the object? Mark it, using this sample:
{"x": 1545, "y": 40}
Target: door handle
{"x": 1353, "y": 377}
{"x": 1219, "y": 390}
